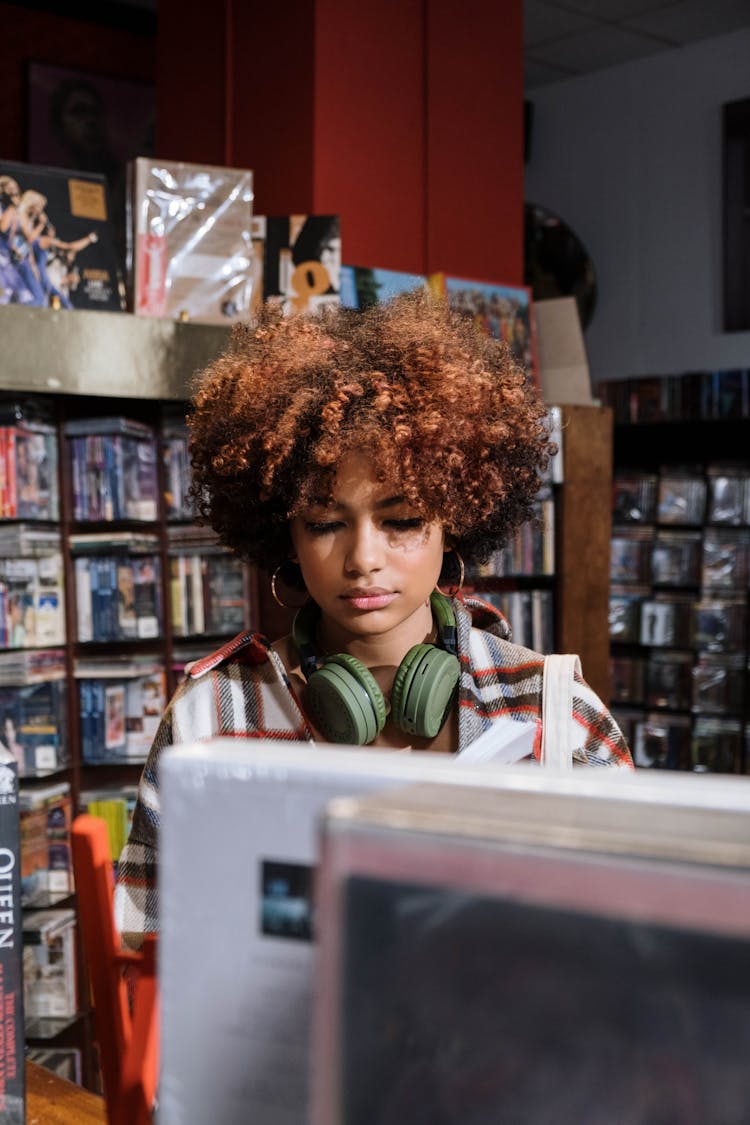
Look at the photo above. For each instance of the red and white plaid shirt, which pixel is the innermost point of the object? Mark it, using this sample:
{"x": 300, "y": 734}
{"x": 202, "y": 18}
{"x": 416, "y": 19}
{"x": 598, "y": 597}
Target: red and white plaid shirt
{"x": 242, "y": 690}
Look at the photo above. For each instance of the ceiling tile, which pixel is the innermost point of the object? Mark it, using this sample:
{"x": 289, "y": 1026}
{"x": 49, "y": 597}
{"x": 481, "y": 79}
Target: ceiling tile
{"x": 546, "y": 21}
{"x": 536, "y": 74}
{"x": 609, "y": 11}
{"x": 594, "y": 50}
{"x": 692, "y": 20}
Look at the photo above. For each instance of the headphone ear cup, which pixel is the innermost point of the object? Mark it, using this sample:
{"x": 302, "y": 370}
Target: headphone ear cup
{"x": 423, "y": 690}
{"x": 346, "y": 701}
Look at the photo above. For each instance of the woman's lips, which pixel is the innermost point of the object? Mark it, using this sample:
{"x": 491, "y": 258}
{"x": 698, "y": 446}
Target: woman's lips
{"x": 369, "y": 599}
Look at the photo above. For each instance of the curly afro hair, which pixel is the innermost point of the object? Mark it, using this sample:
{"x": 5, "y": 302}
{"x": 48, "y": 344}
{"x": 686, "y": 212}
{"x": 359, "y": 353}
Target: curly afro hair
{"x": 443, "y": 410}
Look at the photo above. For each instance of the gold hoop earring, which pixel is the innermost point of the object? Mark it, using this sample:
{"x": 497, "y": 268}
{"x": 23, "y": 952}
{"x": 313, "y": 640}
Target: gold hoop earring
{"x": 274, "y": 594}
{"x": 453, "y": 590}
{"x": 275, "y": 578}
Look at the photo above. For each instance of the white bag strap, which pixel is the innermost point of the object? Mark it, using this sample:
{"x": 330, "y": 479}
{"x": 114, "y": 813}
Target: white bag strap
{"x": 557, "y": 709}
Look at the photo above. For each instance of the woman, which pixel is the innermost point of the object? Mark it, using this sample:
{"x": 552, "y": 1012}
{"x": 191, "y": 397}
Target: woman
{"x": 359, "y": 459}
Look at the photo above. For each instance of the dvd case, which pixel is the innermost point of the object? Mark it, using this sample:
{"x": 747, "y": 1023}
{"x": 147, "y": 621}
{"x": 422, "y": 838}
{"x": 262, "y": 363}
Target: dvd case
{"x": 33, "y": 723}
{"x": 634, "y": 497}
{"x": 628, "y": 677}
{"x": 727, "y": 491}
{"x": 718, "y": 684}
{"x": 12, "y": 1070}
{"x": 630, "y": 556}
{"x": 716, "y": 745}
{"x": 726, "y": 552}
{"x": 625, "y": 607}
{"x": 121, "y": 700}
{"x": 719, "y": 624}
{"x": 666, "y": 621}
{"x": 676, "y": 558}
{"x": 662, "y": 741}
{"x": 49, "y": 964}
{"x": 46, "y": 858}
{"x": 669, "y": 680}
{"x": 729, "y": 393}
{"x": 681, "y": 499}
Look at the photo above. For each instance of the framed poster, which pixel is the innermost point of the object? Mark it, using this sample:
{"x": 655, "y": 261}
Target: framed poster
{"x": 89, "y": 123}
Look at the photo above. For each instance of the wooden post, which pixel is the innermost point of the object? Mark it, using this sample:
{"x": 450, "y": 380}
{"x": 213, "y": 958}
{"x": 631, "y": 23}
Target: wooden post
{"x": 583, "y": 541}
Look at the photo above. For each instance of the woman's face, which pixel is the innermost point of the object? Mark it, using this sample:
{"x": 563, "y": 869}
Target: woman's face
{"x": 367, "y": 558}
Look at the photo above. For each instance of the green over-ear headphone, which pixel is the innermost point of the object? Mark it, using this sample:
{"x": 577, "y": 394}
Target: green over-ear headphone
{"x": 345, "y": 699}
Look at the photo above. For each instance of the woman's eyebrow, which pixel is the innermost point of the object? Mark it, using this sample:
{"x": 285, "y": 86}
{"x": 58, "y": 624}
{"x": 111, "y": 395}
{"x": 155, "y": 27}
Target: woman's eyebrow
{"x": 333, "y": 504}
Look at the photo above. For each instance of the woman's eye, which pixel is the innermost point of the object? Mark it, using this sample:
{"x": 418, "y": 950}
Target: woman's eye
{"x": 322, "y": 527}
{"x": 411, "y": 524}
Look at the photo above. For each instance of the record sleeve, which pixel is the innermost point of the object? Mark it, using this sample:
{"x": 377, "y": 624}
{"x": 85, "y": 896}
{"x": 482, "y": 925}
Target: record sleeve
{"x": 56, "y": 244}
{"x": 301, "y": 261}
{"x": 364, "y": 286}
{"x": 190, "y": 251}
{"x": 504, "y": 312}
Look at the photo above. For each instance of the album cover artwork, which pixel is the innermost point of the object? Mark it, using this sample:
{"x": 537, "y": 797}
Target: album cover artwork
{"x": 301, "y": 260}
{"x": 56, "y": 241}
{"x": 363, "y": 286}
{"x": 504, "y": 312}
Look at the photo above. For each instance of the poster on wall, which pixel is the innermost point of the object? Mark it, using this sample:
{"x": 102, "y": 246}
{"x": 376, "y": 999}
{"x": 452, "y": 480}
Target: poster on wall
{"x": 90, "y": 123}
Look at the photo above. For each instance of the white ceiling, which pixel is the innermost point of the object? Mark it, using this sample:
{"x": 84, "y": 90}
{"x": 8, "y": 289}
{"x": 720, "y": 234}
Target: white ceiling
{"x": 571, "y": 37}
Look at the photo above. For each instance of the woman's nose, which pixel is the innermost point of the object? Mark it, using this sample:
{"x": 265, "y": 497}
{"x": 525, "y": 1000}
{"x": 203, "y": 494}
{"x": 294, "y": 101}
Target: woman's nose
{"x": 364, "y": 552}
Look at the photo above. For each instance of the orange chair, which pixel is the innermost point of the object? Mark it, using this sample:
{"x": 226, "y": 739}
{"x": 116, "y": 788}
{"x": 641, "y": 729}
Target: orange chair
{"x": 123, "y": 983}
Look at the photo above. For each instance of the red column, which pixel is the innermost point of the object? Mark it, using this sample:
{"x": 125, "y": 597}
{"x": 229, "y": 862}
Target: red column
{"x": 405, "y": 117}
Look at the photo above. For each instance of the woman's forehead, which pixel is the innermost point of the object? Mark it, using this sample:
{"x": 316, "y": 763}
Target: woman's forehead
{"x": 357, "y": 475}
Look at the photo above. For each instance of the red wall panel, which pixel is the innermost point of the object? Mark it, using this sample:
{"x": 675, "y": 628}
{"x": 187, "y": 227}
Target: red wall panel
{"x": 369, "y": 149}
{"x": 191, "y": 91}
{"x": 474, "y": 111}
{"x": 271, "y": 102}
